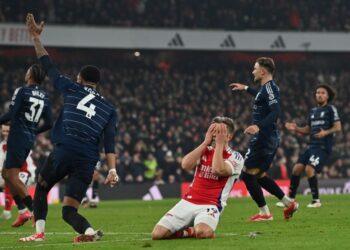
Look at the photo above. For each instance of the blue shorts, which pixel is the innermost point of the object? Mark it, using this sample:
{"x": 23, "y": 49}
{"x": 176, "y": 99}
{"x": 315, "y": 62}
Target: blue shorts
{"x": 315, "y": 157}
{"x": 61, "y": 163}
{"x": 15, "y": 156}
{"x": 260, "y": 155}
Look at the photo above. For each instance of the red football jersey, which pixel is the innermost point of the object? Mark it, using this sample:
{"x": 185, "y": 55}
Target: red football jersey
{"x": 207, "y": 188}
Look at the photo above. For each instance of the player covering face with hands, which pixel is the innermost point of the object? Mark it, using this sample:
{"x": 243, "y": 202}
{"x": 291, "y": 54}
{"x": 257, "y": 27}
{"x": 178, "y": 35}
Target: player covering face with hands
{"x": 86, "y": 118}
{"x": 217, "y": 168}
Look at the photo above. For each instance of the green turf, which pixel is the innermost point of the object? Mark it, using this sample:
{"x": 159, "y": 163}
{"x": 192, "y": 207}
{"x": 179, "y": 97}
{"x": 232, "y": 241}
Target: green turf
{"x": 127, "y": 225}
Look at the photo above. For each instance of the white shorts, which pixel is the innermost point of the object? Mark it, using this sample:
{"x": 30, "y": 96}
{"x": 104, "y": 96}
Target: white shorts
{"x": 185, "y": 214}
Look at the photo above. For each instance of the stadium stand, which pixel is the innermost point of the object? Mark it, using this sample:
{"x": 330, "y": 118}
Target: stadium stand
{"x": 211, "y": 14}
{"x": 165, "y": 101}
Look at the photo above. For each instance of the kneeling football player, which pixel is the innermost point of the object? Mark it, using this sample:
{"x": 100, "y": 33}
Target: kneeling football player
{"x": 217, "y": 169}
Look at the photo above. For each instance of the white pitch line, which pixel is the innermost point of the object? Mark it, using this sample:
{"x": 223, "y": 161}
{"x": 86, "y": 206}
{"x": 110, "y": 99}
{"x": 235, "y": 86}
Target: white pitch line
{"x": 72, "y": 233}
{"x": 32, "y": 244}
{"x": 105, "y": 233}
{"x": 40, "y": 244}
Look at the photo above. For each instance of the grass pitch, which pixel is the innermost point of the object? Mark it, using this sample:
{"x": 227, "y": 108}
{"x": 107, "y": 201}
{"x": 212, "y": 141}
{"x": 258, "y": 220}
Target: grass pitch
{"x": 127, "y": 225}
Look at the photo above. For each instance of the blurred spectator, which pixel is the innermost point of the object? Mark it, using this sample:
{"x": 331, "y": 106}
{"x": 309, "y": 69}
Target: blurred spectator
{"x": 151, "y": 165}
{"x": 311, "y": 15}
{"x": 163, "y": 112}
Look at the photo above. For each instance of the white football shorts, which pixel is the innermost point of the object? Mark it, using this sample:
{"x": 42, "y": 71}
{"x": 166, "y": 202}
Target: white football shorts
{"x": 185, "y": 214}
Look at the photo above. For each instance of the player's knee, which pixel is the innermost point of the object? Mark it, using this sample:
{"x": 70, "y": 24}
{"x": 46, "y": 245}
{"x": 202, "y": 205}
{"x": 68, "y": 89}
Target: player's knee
{"x": 252, "y": 171}
{"x": 158, "y": 233}
{"x": 204, "y": 233}
{"x": 310, "y": 171}
{"x": 298, "y": 169}
{"x": 67, "y": 212}
{"x": 5, "y": 175}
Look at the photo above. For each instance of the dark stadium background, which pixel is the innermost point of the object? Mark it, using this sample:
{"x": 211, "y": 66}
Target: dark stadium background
{"x": 166, "y": 97}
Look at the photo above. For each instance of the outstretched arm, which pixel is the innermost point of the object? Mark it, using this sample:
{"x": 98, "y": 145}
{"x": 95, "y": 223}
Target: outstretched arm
{"x": 238, "y": 86}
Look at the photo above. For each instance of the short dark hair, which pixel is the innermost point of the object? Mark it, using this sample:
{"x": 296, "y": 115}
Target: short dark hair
{"x": 228, "y": 122}
{"x": 329, "y": 89}
{"x": 90, "y": 73}
{"x": 37, "y": 73}
{"x": 267, "y": 63}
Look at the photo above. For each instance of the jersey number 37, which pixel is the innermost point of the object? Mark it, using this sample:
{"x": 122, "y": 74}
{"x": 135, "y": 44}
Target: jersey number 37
{"x": 35, "y": 109}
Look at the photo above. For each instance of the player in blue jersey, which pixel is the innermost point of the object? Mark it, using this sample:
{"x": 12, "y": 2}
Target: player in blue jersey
{"x": 85, "y": 118}
{"x": 29, "y": 105}
{"x": 264, "y": 141}
{"x": 323, "y": 123}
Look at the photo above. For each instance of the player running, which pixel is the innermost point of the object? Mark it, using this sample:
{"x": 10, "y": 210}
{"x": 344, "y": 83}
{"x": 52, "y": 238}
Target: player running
{"x": 323, "y": 122}
{"x": 86, "y": 116}
{"x": 29, "y": 105}
{"x": 26, "y": 175}
{"x": 217, "y": 169}
{"x": 265, "y": 140}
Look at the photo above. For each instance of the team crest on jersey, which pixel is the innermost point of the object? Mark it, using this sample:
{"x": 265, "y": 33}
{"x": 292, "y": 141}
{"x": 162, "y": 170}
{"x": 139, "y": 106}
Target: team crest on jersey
{"x": 204, "y": 158}
{"x": 271, "y": 96}
{"x": 322, "y": 114}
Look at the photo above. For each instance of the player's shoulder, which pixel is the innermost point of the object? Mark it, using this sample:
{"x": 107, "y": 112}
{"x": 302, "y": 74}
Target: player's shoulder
{"x": 332, "y": 108}
{"x": 235, "y": 154}
{"x": 271, "y": 87}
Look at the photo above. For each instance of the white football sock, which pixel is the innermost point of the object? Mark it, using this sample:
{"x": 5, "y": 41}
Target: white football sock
{"x": 286, "y": 201}
{"x": 264, "y": 210}
{"x": 22, "y": 211}
{"x": 40, "y": 226}
{"x": 89, "y": 231}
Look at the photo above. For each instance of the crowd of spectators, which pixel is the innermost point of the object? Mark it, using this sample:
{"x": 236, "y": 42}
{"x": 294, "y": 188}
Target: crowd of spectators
{"x": 310, "y": 15}
{"x": 166, "y": 105}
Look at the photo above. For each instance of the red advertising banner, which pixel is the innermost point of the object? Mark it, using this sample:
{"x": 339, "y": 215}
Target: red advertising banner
{"x": 52, "y": 197}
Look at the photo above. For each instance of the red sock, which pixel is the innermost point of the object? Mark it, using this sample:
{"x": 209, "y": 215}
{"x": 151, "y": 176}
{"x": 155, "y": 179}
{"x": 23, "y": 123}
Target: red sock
{"x": 8, "y": 198}
{"x": 186, "y": 233}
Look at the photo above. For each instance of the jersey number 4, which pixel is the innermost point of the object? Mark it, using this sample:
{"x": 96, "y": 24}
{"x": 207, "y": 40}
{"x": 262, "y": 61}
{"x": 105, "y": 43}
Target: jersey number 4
{"x": 90, "y": 110}
{"x": 35, "y": 109}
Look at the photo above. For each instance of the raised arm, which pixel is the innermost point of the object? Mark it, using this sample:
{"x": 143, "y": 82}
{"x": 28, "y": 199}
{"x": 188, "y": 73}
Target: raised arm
{"x": 219, "y": 166}
{"x": 191, "y": 160}
{"x": 60, "y": 82}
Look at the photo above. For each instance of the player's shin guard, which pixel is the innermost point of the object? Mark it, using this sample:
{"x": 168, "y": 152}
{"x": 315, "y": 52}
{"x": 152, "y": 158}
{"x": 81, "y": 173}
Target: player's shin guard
{"x": 314, "y": 187}
{"x": 294, "y": 184}
{"x": 78, "y": 222}
{"x": 254, "y": 189}
{"x": 40, "y": 203}
{"x": 270, "y": 185}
